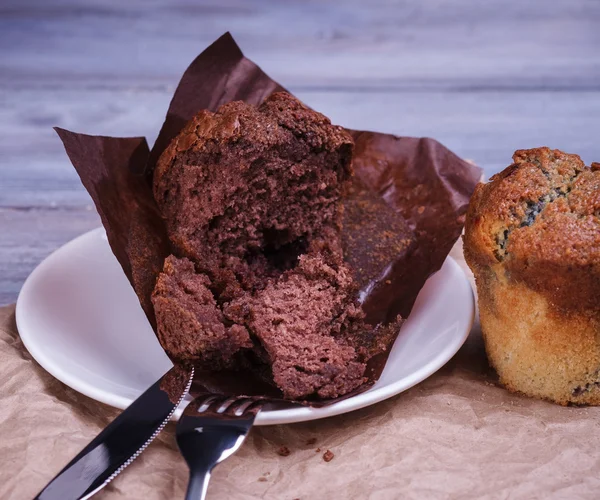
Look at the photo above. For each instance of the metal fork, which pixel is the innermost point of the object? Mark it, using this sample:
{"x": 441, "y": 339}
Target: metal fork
{"x": 212, "y": 428}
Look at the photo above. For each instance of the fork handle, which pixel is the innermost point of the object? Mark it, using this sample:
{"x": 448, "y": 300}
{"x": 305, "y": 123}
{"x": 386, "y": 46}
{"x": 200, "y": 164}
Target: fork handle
{"x": 198, "y": 483}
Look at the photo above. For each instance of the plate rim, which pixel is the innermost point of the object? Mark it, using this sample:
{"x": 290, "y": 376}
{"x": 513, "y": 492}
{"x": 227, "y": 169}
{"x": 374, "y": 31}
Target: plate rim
{"x": 273, "y": 417}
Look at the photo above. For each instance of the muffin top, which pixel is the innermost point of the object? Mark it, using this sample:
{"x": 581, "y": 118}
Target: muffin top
{"x": 275, "y": 123}
{"x": 247, "y": 177}
{"x": 539, "y": 221}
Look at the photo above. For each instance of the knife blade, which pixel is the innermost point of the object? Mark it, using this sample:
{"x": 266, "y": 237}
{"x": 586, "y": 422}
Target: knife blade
{"x": 119, "y": 444}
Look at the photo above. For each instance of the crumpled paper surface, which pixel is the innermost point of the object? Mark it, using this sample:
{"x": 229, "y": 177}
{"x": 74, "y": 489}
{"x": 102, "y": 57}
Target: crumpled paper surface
{"x": 456, "y": 435}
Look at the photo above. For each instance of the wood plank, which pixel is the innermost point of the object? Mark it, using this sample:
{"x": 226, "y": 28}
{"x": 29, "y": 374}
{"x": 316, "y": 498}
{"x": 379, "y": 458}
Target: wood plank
{"x": 28, "y": 236}
{"x": 484, "y": 126}
{"x": 485, "y": 78}
{"x": 457, "y": 44}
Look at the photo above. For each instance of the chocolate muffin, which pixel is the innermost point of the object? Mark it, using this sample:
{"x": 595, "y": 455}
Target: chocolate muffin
{"x": 250, "y": 181}
{"x": 252, "y": 200}
{"x": 532, "y": 239}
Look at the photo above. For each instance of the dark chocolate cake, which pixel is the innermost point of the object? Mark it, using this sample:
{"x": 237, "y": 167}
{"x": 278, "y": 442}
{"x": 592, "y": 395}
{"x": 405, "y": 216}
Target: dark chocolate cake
{"x": 252, "y": 200}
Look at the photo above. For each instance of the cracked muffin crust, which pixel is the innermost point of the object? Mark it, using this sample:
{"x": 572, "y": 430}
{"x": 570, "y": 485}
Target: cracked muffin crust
{"x": 252, "y": 201}
{"x": 208, "y": 180}
{"x": 532, "y": 239}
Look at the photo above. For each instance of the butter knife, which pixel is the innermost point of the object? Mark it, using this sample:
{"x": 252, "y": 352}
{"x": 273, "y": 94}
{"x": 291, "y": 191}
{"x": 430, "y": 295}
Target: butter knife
{"x": 121, "y": 442}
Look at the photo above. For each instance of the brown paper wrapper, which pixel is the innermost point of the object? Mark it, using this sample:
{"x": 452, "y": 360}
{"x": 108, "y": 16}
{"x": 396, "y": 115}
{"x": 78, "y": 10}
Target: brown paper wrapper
{"x": 421, "y": 179}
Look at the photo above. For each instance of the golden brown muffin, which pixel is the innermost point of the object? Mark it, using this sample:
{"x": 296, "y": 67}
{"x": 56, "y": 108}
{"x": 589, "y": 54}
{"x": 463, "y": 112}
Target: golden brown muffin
{"x": 532, "y": 240}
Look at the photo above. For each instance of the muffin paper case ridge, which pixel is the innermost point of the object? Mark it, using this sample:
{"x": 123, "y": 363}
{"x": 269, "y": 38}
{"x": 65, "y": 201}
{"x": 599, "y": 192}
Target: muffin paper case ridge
{"x": 418, "y": 177}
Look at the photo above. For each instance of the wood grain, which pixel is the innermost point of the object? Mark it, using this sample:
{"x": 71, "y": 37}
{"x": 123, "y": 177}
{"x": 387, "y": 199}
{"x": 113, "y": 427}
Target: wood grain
{"x": 486, "y": 127}
{"x": 30, "y": 235}
{"x": 485, "y": 78}
{"x": 379, "y": 43}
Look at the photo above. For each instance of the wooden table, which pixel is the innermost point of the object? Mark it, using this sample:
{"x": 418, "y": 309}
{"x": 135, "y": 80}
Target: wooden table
{"x": 485, "y": 78}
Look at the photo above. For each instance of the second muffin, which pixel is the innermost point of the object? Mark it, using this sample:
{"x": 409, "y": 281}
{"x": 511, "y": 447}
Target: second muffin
{"x": 532, "y": 239}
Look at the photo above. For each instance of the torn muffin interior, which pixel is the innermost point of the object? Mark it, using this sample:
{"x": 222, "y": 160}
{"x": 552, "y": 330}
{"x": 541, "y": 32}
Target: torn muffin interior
{"x": 301, "y": 321}
{"x": 192, "y": 326}
{"x": 251, "y": 198}
{"x": 245, "y": 189}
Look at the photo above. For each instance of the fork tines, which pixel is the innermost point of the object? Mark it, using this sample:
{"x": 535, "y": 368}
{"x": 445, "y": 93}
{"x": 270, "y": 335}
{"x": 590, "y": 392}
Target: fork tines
{"x": 232, "y": 406}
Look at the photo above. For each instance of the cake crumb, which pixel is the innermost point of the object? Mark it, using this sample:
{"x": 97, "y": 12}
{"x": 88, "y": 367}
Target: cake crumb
{"x": 318, "y": 450}
{"x": 283, "y": 451}
{"x": 311, "y": 441}
{"x": 328, "y": 456}
{"x": 262, "y": 479}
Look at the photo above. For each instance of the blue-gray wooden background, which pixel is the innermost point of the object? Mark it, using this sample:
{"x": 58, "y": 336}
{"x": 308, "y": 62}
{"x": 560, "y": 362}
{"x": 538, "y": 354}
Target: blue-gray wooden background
{"x": 484, "y": 77}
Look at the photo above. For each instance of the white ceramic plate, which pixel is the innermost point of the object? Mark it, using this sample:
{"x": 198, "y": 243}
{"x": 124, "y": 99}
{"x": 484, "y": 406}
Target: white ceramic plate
{"x": 80, "y": 319}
